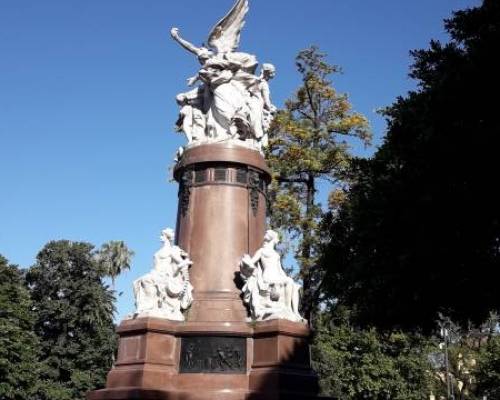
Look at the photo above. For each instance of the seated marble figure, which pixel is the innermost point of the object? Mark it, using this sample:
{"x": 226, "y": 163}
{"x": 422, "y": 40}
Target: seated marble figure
{"x": 165, "y": 291}
{"x": 268, "y": 292}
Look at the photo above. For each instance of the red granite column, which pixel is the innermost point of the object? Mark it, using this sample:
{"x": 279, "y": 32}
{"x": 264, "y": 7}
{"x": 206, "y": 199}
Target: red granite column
{"x": 222, "y": 215}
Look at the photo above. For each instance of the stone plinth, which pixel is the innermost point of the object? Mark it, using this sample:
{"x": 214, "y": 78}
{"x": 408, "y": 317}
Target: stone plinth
{"x": 281, "y": 360}
{"x": 149, "y": 358}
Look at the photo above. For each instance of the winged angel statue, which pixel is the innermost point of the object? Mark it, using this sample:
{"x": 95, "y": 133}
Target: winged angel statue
{"x": 230, "y": 102}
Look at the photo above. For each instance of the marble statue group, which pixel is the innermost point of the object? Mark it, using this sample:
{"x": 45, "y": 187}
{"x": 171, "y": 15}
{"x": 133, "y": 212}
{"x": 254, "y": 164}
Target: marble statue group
{"x": 268, "y": 291}
{"x": 229, "y": 101}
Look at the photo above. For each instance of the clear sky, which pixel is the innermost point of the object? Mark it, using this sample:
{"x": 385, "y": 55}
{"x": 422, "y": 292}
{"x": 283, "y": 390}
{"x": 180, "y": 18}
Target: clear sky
{"x": 87, "y": 104}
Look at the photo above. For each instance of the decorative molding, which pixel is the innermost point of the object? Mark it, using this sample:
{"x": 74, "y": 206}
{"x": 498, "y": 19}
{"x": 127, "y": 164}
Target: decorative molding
{"x": 200, "y": 176}
{"x": 254, "y": 189}
{"x": 241, "y": 176}
{"x": 222, "y": 174}
{"x": 213, "y": 355}
{"x": 185, "y": 191}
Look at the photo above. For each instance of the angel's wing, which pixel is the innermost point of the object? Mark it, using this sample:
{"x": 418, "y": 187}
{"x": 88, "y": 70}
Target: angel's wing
{"x": 225, "y": 36}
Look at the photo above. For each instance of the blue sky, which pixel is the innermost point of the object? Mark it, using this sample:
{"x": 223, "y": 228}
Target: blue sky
{"x": 87, "y": 104}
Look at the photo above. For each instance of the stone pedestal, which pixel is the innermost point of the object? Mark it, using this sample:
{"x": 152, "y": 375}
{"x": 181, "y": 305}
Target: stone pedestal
{"x": 215, "y": 353}
{"x": 152, "y": 354}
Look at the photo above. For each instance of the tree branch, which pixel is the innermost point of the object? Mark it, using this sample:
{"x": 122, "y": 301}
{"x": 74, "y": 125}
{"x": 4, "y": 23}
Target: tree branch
{"x": 281, "y": 179}
{"x": 306, "y": 115}
{"x": 311, "y": 102}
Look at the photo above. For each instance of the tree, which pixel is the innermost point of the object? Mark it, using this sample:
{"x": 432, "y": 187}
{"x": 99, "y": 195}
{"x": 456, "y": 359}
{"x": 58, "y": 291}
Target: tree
{"x": 18, "y": 345}
{"x": 73, "y": 316}
{"x": 115, "y": 257}
{"x": 308, "y": 142}
{"x": 455, "y": 363}
{"x": 21, "y": 372}
{"x": 473, "y": 354}
{"x": 355, "y": 364}
{"x": 420, "y": 232}
{"x": 489, "y": 370}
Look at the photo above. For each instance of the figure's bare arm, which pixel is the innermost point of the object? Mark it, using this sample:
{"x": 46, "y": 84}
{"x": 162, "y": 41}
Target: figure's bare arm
{"x": 181, "y": 262}
{"x": 156, "y": 261}
{"x": 174, "y": 32}
{"x": 266, "y": 95}
{"x": 191, "y": 81}
{"x": 257, "y": 256}
{"x": 282, "y": 271}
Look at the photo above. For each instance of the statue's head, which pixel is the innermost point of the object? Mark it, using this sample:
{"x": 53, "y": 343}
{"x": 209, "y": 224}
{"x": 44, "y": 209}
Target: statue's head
{"x": 167, "y": 235}
{"x": 204, "y": 55}
{"x": 268, "y": 71}
{"x": 271, "y": 236}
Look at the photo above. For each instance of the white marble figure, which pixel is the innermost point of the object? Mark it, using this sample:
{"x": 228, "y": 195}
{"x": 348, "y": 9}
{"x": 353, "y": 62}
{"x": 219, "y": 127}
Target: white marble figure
{"x": 191, "y": 118}
{"x": 261, "y": 108}
{"x": 231, "y": 102}
{"x": 165, "y": 291}
{"x": 268, "y": 291}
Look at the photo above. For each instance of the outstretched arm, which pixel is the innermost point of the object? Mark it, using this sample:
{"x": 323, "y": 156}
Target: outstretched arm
{"x": 174, "y": 32}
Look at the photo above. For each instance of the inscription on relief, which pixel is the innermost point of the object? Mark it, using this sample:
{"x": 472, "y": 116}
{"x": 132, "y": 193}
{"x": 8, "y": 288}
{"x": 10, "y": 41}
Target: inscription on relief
{"x": 214, "y": 354}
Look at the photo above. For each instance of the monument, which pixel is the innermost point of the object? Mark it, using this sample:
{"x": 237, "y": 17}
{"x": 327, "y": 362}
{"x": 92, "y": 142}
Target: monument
{"x": 217, "y": 317}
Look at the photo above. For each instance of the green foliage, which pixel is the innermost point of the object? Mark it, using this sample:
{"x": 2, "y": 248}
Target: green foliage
{"x": 473, "y": 361}
{"x": 18, "y": 344}
{"x": 308, "y": 143}
{"x": 115, "y": 257}
{"x": 420, "y": 232}
{"x": 462, "y": 368}
{"x": 73, "y": 317}
{"x": 21, "y": 373}
{"x": 364, "y": 364}
{"x": 488, "y": 374}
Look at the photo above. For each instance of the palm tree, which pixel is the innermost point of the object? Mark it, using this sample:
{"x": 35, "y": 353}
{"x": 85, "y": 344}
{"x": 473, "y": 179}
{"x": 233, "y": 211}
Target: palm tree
{"x": 115, "y": 257}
